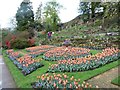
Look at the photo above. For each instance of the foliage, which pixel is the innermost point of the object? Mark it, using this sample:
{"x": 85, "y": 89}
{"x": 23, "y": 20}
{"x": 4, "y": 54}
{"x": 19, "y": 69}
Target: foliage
{"x": 19, "y": 43}
{"x": 38, "y": 16}
{"x": 24, "y": 16}
{"x": 94, "y": 7}
{"x": 84, "y": 9}
{"x": 5, "y": 34}
{"x": 21, "y": 40}
{"x": 111, "y": 12}
{"x": 88, "y": 9}
{"x": 51, "y": 18}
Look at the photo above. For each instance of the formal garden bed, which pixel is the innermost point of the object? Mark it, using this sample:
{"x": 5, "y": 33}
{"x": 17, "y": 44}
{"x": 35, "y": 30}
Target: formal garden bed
{"x": 59, "y": 81}
{"x": 61, "y": 53}
{"x": 37, "y": 48}
{"x": 86, "y": 63}
{"x": 30, "y": 68}
{"x": 24, "y": 63}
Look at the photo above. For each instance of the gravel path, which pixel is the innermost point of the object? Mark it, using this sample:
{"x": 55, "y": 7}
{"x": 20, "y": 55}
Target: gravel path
{"x": 6, "y": 80}
{"x": 104, "y": 80}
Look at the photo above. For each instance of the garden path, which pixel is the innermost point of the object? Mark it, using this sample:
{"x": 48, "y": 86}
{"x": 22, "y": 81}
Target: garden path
{"x": 6, "y": 79}
{"x": 104, "y": 80}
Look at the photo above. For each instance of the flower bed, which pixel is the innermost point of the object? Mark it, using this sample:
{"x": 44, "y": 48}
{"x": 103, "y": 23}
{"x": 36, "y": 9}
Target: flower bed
{"x": 61, "y": 53}
{"x": 13, "y": 55}
{"x": 37, "y": 53}
{"x": 25, "y": 63}
{"x": 55, "y": 81}
{"x": 86, "y": 63}
{"x": 9, "y": 51}
{"x": 37, "y": 48}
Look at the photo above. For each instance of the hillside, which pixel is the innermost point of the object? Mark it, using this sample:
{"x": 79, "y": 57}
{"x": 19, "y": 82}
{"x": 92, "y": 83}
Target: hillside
{"x": 92, "y": 34}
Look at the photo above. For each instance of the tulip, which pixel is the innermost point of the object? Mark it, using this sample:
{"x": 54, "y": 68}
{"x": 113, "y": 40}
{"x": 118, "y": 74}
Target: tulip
{"x": 54, "y": 85}
{"x": 70, "y": 85}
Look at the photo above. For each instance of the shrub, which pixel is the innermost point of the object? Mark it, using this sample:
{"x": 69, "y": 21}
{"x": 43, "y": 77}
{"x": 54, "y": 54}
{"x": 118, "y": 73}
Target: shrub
{"x": 19, "y": 43}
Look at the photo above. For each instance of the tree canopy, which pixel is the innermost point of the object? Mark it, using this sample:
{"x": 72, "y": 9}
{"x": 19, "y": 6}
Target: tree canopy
{"x": 51, "y": 18}
{"x": 24, "y": 16}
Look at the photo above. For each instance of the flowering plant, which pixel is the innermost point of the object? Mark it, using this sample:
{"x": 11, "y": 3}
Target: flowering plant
{"x": 62, "y": 81}
{"x": 37, "y": 48}
{"x": 25, "y": 63}
{"x": 86, "y": 63}
{"x": 61, "y": 53}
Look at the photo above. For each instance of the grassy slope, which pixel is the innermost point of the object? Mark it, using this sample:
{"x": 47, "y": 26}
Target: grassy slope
{"x": 24, "y": 81}
{"x": 116, "y": 81}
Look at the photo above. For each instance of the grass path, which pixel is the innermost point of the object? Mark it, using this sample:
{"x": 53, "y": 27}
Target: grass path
{"x": 116, "y": 81}
{"x": 104, "y": 80}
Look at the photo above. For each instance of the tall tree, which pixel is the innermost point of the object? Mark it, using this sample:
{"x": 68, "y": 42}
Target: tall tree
{"x": 93, "y": 7}
{"x": 25, "y": 16}
{"x": 51, "y": 18}
{"x": 84, "y": 10}
{"x": 38, "y": 16}
{"x": 88, "y": 9}
{"x": 111, "y": 11}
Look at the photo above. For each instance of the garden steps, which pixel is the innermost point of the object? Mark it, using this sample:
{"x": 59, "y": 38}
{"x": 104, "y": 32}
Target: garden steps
{"x": 104, "y": 80}
{"x": 7, "y": 79}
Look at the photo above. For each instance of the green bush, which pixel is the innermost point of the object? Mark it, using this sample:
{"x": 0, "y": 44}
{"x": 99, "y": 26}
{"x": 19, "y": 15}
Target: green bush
{"x": 19, "y": 43}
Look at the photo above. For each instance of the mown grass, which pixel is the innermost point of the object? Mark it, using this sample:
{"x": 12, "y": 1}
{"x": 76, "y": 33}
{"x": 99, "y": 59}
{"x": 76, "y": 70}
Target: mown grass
{"x": 94, "y": 51}
{"x": 25, "y": 81}
{"x": 116, "y": 81}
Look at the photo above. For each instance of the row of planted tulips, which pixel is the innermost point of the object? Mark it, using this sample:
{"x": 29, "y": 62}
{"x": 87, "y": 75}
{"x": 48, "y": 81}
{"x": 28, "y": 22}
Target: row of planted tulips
{"x": 59, "y": 82}
{"x": 37, "y": 48}
{"x": 61, "y": 53}
{"x": 86, "y": 63}
{"x": 37, "y": 53}
{"x": 25, "y": 63}
{"x": 12, "y": 54}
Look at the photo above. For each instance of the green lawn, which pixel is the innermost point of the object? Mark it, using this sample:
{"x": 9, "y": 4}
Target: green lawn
{"x": 116, "y": 81}
{"x": 25, "y": 81}
{"x": 94, "y": 51}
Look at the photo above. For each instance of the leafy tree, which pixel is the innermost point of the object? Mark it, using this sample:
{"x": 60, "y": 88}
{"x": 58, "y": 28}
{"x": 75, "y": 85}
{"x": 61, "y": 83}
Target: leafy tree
{"x": 87, "y": 9}
{"x": 13, "y": 23}
{"x": 84, "y": 10}
{"x": 111, "y": 11}
{"x": 38, "y": 19}
{"x": 38, "y": 16}
{"x": 51, "y": 18}
{"x": 93, "y": 7}
{"x": 25, "y": 16}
